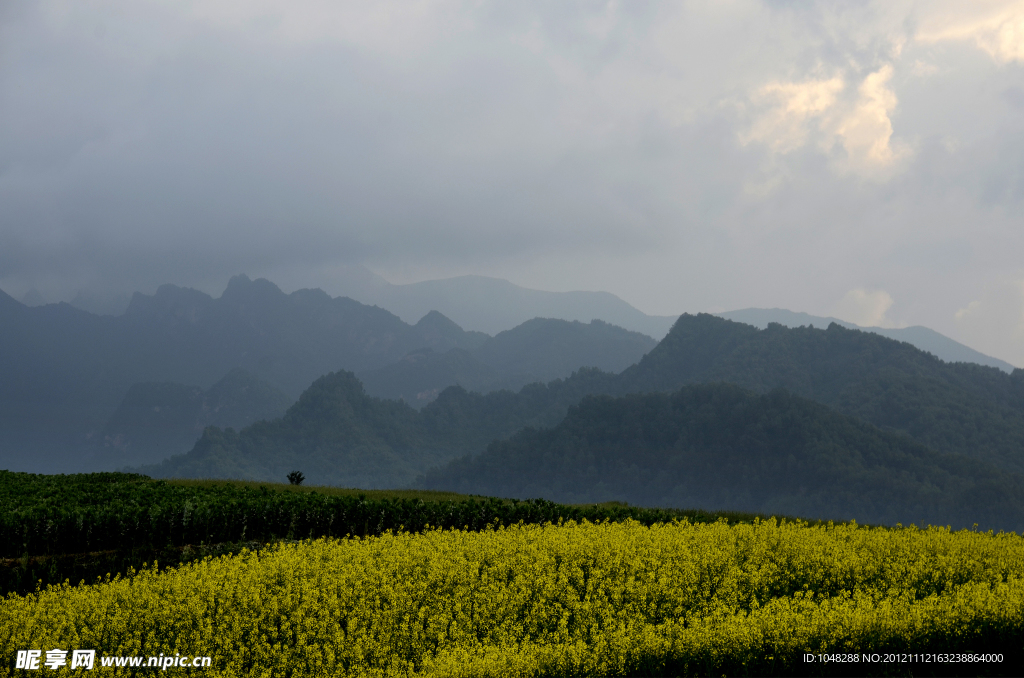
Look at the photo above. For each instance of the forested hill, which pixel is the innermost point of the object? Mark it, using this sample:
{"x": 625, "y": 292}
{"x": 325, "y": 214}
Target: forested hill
{"x": 335, "y": 434}
{"x": 950, "y": 407}
{"x": 716, "y": 446}
{"x": 338, "y": 435}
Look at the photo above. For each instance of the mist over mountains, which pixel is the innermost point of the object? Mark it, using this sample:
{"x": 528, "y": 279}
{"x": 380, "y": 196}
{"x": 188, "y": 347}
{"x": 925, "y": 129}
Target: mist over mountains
{"x": 890, "y": 433}
{"x": 474, "y": 302}
{"x": 493, "y": 305}
{"x": 719, "y": 413}
{"x": 66, "y": 371}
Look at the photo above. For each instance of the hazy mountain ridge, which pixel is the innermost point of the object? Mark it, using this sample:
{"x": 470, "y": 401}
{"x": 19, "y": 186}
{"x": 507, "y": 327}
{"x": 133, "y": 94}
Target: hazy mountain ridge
{"x": 716, "y": 446}
{"x": 926, "y": 339}
{"x": 67, "y": 371}
{"x": 539, "y": 350}
{"x": 493, "y": 305}
{"x": 420, "y": 376}
{"x": 544, "y": 346}
{"x": 288, "y": 339}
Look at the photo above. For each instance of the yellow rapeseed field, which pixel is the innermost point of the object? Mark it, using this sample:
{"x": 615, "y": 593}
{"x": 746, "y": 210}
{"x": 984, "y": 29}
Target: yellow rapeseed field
{"x": 571, "y": 599}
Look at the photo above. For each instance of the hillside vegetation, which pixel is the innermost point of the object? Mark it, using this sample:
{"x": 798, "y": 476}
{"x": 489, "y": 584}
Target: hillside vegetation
{"x": 961, "y": 408}
{"x": 338, "y": 435}
{"x": 927, "y": 340}
{"x": 718, "y": 446}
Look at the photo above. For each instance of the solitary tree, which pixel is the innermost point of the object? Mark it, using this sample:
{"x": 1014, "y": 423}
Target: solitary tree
{"x": 296, "y": 477}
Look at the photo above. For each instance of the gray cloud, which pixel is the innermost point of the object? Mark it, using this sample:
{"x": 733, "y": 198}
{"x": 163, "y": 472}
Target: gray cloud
{"x": 669, "y": 154}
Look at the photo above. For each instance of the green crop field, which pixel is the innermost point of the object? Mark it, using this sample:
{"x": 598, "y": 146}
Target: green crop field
{"x": 79, "y": 527}
{"x": 422, "y": 495}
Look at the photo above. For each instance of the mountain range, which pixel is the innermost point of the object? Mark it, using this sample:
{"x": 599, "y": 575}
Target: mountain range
{"x": 492, "y": 305}
{"x": 337, "y": 434}
{"x": 894, "y": 425}
{"x": 84, "y": 392}
{"x": 65, "y": 372}
{"x": 475, "y": 302}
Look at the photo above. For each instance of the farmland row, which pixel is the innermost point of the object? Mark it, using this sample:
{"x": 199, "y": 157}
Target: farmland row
{"x": 51, "y": 515}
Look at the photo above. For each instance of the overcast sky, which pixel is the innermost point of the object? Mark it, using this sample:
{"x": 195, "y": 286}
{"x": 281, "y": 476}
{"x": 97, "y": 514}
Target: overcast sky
{"x": 858, "y": 159}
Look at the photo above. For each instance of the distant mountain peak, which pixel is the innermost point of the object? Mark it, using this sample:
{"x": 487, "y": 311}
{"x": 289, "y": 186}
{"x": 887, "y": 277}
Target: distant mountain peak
{"x": 437, "y": 320}
{"x": 241, "y": 288}
{"x": 169, "y": 302}
{"x": 333, "y": 397}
